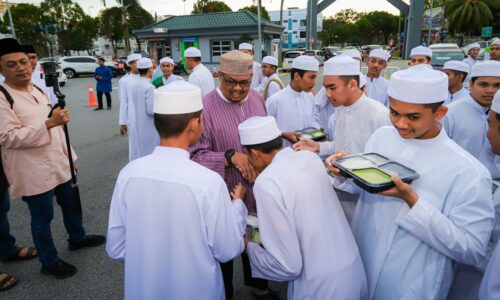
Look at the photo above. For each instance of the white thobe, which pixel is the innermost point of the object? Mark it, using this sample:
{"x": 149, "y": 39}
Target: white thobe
{"x": 273, "y": 88}
{"x": 410, "y": 253}
{"x": 305, "y": 235}
{"x": 377, "y": 89}
{"x": 353, "y": 127}
{"x": 172, "y": 221}
{"x": 36, "y": 79}
{"x": 470, "y": 61}
{"x": 490, "y": 285}
{"x": 456, "y": 96}
{"x": 143, "y": 137}
{"x": 123, "y": 96}
{"x": 257, "y": 77}
{"x": 466, "y": 123}
{"x": 323, "y": 109}
{"x": 170, "y": 79}
{"x": 292, "y": 110}
{"x": 202, "y": 78}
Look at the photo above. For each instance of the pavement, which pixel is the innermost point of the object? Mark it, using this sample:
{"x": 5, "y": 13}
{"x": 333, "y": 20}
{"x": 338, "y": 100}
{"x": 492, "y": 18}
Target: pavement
{"x": 102, "y": 153}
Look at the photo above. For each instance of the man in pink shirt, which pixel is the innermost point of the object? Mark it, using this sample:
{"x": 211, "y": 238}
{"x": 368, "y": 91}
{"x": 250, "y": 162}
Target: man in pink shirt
{"x": 34, "y": 156}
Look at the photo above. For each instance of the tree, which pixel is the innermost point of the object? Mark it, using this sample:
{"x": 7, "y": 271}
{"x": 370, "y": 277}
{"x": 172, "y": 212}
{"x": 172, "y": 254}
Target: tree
{"x": 139, "y": 18}
{"x": 84, "y": 33}
{"x": 209, "y": 6}
{"x": 469, "y": 15}
{"x": 347, "y": 16}
{"x": 29, "y": 26}
{"x": 253, "y": 8}
{"x": 126, "y": 6}
{"x": 111, "y": 27}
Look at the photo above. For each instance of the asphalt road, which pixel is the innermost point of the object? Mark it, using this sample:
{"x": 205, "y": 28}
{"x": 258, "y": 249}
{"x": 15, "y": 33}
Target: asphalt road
{"x": 102, "y": 152}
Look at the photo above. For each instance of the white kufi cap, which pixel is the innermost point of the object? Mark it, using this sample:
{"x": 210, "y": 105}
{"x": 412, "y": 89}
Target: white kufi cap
{"x": 457, "y": 65}
{"x": 167, "y": 59}
{"x": 270, "y": 60}
{"x": 258, "y": 130}
{"x": 341, "y": 65}
{"x": 486, "y": 68}
{"x": 306, "y": 63}
{"x": 495, "y": 41}
{"x": 352, "y": 53}
{"x": 144, "y": 63}
{"x": 495, "y": 106}
{"x": 472, "y": 46}
{"x": 245, "y": 46}
{"x": 419, "y": 86}
{"x": 379, "y": 53}
{"x": 421, "y": 50}
{"x": 176, "y": 98}
{"x": 192, "y": 52}
{"x": 133, "y": 57}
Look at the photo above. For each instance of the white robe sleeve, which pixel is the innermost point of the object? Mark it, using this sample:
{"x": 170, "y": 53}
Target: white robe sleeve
{"x": 273, "y": 89}
{"x": 490, "y": 285}
{"x": 464, "y": 232}
{"x": 326, "y": 148}
{"x": 115, "y": 241}
{"x": 319, "y": 103}
{"x": 150, "y": 100}
{"x": 122, "y": 94}
{"x": 193, "y": 79}
{"x": 272, "y": 107}
{"x": 226, "y": 223}
{"x": 281, "y": 260}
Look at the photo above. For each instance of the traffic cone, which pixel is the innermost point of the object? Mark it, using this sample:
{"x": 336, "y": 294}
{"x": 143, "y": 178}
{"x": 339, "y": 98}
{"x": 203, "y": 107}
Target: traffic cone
{"x": 92, "y": 100}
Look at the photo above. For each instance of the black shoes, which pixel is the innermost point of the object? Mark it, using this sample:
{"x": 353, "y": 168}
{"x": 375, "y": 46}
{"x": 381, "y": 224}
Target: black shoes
{"x": 89, "y": 241}
{"x": 99, "y": 108}
{"x": 108, "y": 108}
{"x": 60, "y": 269}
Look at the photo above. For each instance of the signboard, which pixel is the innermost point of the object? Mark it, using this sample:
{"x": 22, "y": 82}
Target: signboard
{"x": 438, "y": 19}
{"x": 189, "y": 40}
{"x": 159, "y": 30}
{"x": 486, "y": 32}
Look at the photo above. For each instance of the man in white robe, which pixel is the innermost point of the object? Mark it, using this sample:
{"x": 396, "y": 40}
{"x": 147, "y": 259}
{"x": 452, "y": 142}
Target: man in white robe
{"x": 123, "y": 85}
{"x": 171, "y": 219}
{"x": 356, "y": 118}
{"x": 141, "y": 129}
{"x": 420, "y": 55}
{"x": 293, "y": 107}
{"x": 412, "y": 235}
{"x": 376, "y": 84}
{"x": 472, "y": 53}
{"x": 257, "y": 77}
{"x": 304, "y": 235}
{"x": 200, "y": 75}
{"x": 466, "y": 122}
{"x": 271, "y": 83}
{"x": 457, "y": 72}
{"x": 167, "y": 67}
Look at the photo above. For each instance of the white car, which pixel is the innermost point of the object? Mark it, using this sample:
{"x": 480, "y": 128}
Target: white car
{"x": 288, "y": 59}
{"x": 74, "y": 66}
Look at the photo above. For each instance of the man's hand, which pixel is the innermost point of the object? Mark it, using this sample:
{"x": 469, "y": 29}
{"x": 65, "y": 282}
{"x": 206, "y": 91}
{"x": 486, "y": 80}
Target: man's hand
{"x": 329, "y": 162}
{"x": 59, "y": 117}
{"x": 75, "y": 166}
{"x": 246, "y": 240}
{"x": 240, "y": 161}
{"x": 306, "y": 144}
{"x": 292, "y": 137}
{"x": 239, "y": 192}
{"x": 123, "y": 129}
{"x": 402, "y": 191}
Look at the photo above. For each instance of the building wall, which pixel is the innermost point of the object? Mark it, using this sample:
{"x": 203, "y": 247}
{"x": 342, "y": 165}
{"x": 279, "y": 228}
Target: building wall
{"x": 294, "y": 21}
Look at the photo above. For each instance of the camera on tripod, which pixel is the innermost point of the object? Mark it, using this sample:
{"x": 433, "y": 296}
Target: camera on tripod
{"x": 50, "y": 73}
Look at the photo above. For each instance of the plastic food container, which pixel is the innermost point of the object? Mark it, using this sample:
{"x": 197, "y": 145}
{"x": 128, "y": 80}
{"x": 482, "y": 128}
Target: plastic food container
{"x": 372, "y": 171}
{"x": 312, "y": 133}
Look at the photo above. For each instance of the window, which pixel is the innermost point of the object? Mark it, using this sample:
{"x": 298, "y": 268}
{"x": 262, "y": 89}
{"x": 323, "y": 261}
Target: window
{"x": 294, "y": 21}
{"x": 220, "y": 47}
{"x": 285, "y": 21}
{"x": 295, "y": 32}
{"x": 302, "y": 22}
{"x": 302, "y": 34}
{"x": 80, "y": 60}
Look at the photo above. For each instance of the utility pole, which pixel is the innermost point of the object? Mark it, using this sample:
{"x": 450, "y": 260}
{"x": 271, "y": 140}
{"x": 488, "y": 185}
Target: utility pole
{"x": 429, "y": 36}
{"x": 258, "y": 55}
{"x": 12, "y": 29}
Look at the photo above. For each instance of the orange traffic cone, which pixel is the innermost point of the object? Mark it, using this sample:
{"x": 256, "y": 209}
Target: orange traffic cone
{"x": 92, "y": 101}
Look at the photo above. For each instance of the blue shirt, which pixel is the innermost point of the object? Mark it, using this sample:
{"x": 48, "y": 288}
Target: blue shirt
{"x": 103, "y": 84}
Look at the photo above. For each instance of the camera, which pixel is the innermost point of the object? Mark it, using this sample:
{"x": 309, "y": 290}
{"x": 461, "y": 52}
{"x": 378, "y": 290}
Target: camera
{"x": 51, "y": 75}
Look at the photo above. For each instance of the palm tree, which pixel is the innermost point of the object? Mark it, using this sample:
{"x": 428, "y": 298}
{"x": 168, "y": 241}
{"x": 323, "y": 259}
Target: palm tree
{"x": 469, "y": 15}
{"x": 125, "y": 5}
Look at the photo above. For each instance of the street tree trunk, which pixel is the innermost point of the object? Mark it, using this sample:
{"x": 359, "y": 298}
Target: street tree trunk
{"x": 126, "y": 39}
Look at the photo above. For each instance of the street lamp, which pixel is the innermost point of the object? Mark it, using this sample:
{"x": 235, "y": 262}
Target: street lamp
{"x": 12, "y": 29}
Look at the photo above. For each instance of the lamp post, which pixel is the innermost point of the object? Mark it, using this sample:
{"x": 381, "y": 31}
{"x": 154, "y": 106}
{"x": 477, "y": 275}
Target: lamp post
{"x": 12, "y": 29}
{"x": 258, "y": 55}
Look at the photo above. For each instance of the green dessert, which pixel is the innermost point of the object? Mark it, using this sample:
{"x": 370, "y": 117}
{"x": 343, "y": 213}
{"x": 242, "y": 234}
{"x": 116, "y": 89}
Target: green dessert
{"x": 317, "y": 134}
{"x": 372, "y": 175}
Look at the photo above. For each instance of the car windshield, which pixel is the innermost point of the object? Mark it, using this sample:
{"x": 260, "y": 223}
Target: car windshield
{"x": 292, "y": 55}
{"x": 310, "y": 53}
{"x": 439, "y": 58}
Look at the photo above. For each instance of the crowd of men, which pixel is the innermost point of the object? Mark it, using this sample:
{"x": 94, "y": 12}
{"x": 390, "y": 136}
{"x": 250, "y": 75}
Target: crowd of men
{"x": 202, "y": 158}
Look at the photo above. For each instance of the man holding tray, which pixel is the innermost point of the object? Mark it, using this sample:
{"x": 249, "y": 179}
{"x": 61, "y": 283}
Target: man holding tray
{"x": 305, "y": 237}
{"x": 356, "y": 118}
{"x": 411, "y": 236}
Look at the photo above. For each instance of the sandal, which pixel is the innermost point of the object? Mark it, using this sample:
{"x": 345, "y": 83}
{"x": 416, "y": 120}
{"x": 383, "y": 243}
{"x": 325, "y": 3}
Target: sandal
{"x": 6, "y": 281}
{"x": 21, "y": 253}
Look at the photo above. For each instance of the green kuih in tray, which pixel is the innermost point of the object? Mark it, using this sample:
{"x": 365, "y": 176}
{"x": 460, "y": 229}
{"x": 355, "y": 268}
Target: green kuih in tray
{"x": 252, "y": 229}
{"x": 372, "y": 171}
{"x": 312, "y": 133}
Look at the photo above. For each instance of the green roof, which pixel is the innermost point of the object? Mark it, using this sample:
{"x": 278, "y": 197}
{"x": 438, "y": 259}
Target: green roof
{"x": 210, "y": 20}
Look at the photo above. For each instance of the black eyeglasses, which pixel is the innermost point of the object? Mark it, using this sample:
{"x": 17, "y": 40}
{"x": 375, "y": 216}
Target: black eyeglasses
{"x": 233, "y": 83}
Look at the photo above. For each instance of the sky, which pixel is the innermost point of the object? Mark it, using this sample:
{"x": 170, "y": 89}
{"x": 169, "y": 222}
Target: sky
{"x": 178, "y": 7}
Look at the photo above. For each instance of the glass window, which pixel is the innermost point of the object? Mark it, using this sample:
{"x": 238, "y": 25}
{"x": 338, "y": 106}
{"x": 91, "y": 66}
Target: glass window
{"x": 88, "y": 60}
{"x": 294, "y": 21}
{"x": 220, "y": 47}
{"x": 302, "y": 34}
{"x": 302, "y": 22}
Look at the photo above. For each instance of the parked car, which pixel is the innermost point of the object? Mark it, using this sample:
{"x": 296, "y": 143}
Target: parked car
{"x": 316, "y": 54}
{"x": 288, "y": 60}
{"x": 444, "y": 46}
{"x": 442, "y": 55}
{"x": 74, "y": 66}
{"x": 330, "y": 51}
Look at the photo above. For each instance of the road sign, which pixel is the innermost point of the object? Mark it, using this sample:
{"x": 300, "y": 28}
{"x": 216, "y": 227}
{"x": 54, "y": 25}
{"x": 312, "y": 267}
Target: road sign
{"x": 486, "y": 32}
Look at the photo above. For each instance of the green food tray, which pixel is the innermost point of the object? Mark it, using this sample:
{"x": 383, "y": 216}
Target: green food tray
{"x": 312, "y": 133}
{"x": 372, "y": 172}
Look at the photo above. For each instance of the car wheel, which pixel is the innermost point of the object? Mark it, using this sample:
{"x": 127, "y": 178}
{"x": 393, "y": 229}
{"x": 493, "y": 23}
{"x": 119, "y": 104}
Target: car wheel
{"x": 70, "y": 73}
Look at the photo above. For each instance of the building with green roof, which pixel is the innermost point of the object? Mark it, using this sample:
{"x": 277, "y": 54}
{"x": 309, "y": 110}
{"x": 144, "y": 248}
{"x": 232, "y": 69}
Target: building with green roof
{"x": 213, "y": 33}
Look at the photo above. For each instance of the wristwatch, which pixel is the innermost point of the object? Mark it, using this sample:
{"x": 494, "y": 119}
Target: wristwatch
{"x": 227, "y": 155}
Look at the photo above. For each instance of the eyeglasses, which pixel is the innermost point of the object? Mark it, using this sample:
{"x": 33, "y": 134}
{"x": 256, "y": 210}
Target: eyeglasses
{"x": 12, "y": 65}
{"x": 233, "y": 83}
